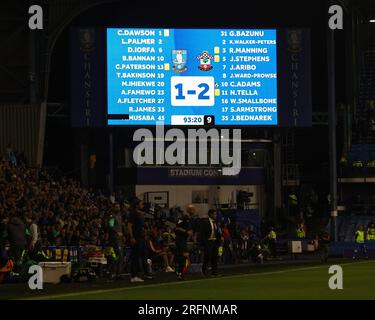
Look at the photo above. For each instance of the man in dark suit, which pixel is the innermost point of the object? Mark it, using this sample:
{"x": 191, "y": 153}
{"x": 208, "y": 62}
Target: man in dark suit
{"x": 210, "y": 239}
{"x": 183, "y": 231}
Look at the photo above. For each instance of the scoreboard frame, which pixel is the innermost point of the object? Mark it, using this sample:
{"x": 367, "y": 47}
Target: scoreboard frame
{"x": 235, "y": 125}
{"x": 88, "y": 77}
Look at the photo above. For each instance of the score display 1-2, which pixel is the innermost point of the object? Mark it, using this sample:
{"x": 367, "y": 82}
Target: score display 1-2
{"x": 192, "y": 91}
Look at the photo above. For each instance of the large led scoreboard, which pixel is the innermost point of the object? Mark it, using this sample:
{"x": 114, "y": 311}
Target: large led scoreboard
{"x": 131, "y": 77}
{"x": 191, "y": 77}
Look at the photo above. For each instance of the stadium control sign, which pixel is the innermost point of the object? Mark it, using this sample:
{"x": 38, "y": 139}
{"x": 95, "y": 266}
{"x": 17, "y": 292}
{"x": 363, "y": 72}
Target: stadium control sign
{"x": 194, "y": 172}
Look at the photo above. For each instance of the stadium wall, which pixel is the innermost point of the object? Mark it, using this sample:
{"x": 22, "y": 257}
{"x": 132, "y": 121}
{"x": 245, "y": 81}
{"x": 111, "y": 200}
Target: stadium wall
{"x": 183, "y": 195}
{"x": 23, "y": 126}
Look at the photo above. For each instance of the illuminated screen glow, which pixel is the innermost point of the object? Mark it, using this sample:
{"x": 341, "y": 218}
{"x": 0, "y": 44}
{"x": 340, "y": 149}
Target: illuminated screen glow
{"x": 191, "y": 77}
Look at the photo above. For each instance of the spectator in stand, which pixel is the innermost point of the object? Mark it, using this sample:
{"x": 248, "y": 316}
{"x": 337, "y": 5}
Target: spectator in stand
{"x": 125, "y": 210}
{"x": 16, "y": 233}
{"x": 112, "y": 198}
{"x": 3, "y": 231}
{"x": 34, "y": 235}
{"x": 11, "y": 155}
{"x": 75, "y": 239}
{"x": 68, "y": 235}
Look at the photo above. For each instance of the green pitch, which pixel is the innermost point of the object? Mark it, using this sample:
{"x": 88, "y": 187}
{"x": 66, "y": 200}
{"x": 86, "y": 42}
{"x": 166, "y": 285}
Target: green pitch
{"x": 284, "y": 282}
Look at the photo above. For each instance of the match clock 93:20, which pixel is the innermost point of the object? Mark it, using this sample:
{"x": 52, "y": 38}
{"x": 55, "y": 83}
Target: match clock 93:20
{"x": 193, "y": 120}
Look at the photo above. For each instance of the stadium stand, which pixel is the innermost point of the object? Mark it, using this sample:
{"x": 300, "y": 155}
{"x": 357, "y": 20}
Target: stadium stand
{"x": 347, "y": 225}
{"x": 366, "y": 104}
{"x": 72, "y": 222}
{"x": 357, "y": 169}
{"x": 361, "y": 157}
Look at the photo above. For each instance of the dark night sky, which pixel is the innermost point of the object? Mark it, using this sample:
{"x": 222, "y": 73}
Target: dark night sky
{"x": 307, "y": 13}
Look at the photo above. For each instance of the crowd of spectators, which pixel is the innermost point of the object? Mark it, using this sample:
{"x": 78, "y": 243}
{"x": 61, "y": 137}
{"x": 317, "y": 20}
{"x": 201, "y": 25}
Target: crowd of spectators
{"x": 39, "y": 210}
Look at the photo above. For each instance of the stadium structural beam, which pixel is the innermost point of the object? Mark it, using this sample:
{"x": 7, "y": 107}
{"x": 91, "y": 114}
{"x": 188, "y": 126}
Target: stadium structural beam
{"x": 111, "y": 169}
{"x": 60, "y": 14}
{"x": 277, "y": 177}
{"x": 33, "y": 91}
{"x": 332, "y": 127}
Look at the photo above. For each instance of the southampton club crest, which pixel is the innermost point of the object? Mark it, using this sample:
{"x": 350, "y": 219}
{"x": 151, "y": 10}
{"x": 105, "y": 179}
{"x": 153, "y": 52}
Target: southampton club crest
{"x": 294, "y": 40}
{"x": 205, "y": 61}
{"x": 87, "y": 39}
{"x": 179, "y": 59}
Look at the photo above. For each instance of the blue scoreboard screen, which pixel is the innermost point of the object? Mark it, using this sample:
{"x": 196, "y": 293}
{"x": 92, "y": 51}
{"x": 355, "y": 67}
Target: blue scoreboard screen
{"x": 191, "y": 77}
